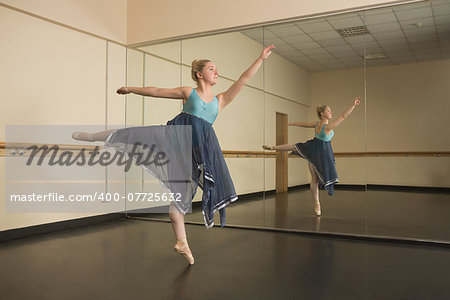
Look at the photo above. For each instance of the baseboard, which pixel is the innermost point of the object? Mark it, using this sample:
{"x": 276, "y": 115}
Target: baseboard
{"x": 381, "y": 187}
{"x": 402, "y": 188}
{"x": 22, "y": 232}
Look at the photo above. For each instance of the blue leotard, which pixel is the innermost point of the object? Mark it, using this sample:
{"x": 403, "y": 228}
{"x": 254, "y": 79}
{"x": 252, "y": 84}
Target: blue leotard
{"x": 197, "y": 107}
{"x": 322, "y": 135}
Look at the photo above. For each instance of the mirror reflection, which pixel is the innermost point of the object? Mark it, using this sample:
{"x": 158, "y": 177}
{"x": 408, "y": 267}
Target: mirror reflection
{"x": 407, "y": 141}
{"x": 331, "y": 63}
{"x": 390, "y": 151}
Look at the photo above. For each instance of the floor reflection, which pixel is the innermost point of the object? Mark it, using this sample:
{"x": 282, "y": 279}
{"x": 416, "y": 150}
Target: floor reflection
{"x": 281, "y": 209}
{"x": 382, "y": 212}
{"x": 181, "y": 284}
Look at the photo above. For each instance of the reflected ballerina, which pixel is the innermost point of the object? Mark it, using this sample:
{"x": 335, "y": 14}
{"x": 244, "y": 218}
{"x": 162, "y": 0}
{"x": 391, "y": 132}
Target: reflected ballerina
{"x": 318, "y": 151}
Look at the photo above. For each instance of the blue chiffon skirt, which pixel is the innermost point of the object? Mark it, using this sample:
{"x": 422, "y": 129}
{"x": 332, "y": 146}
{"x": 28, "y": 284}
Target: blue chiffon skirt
{"x": 196, "y": 159}
{"x": 320, "y": 155}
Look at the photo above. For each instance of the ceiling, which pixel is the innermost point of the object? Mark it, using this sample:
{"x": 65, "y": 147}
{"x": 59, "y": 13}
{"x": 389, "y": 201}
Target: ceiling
{"x": 402, "y": 34}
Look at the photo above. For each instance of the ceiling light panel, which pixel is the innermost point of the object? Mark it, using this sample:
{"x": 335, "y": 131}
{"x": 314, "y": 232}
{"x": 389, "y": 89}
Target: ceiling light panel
{"x": 352, "y": 31}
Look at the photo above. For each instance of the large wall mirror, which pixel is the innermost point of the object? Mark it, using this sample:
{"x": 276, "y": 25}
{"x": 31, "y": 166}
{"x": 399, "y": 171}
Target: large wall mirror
{"x": 391, "y": 153}
{"x": 408, "y": 70}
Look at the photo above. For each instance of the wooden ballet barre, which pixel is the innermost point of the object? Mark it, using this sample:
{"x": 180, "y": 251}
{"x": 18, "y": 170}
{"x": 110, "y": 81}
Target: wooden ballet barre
{"x": 19, "y": 149}
{"x": 394, "y": 154}
{"x": 248, "y": 154}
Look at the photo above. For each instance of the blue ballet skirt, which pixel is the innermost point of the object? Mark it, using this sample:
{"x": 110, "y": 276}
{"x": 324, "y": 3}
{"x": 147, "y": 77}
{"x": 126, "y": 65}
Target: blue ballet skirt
{"x": 320, "y": 155}
{"x": 195, "y": 157}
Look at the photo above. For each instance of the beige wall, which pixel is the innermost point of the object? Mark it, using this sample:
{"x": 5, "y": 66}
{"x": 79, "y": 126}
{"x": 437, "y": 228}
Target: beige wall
{"x": 157, "y": 20}
{"x": 410, "y": 102}
{"x": 53, "y": 75}
{"x": 107, "y": 19}
{"x": 406, "y": 111}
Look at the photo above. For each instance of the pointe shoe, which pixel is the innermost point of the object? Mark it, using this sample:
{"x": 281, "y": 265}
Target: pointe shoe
{"x": 317, "y": 208}
{"x": 267, "y": 147}
{"x": 83, "y": 136}
{"x": 182, "y": 247}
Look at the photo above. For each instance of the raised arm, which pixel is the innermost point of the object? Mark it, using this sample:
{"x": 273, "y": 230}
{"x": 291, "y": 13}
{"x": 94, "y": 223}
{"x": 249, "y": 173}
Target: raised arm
{"x": 303, "y": 124}
{"x": 175, "y": 93}
{"x": 226, "y": 97}
{"x": 344, "y": 115}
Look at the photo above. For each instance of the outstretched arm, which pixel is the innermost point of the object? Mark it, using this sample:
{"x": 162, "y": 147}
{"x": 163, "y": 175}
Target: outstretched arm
{"x": 175, "y": 93}
{"x": 303, "y": 124}
{"x": 344, "y": 115}
{"x": 226, "y": 97}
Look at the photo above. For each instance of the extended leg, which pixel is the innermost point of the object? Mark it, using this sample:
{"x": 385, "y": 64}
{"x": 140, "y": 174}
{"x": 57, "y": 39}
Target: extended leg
{"x": 181, "y": 245}
{"x": 285, "y": 147}
{"x": 92, "y": 137}
{"x": 314, "y": 187}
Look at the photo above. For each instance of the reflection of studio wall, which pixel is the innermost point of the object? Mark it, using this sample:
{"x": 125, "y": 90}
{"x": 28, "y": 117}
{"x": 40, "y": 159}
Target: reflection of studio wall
{"x": 54, "y": 75}
{"x": 406, "y": 111}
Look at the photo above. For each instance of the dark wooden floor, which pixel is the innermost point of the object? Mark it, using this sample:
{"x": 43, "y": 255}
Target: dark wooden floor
{"x": 132, "y": 259}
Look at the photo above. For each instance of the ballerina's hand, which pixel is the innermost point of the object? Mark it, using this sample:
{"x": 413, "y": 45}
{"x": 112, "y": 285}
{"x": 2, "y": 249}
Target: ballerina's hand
{"x": 357, "y": 101}
{"x": 266, "y": 52}
{"x": 123, "y": 91}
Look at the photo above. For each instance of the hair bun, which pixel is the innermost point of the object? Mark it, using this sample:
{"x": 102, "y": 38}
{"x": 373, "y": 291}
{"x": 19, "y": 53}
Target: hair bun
{"x": 197, "y": 66}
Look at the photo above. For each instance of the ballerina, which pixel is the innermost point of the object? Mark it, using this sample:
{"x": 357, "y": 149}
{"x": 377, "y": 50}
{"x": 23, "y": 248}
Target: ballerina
{"x": 209, "y": 170}
{"x": 318, "y": 151}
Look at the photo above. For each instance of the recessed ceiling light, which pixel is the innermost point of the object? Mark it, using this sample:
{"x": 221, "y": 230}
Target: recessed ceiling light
{"x": 353, "y": 31}
{"x": 375, "y": 56}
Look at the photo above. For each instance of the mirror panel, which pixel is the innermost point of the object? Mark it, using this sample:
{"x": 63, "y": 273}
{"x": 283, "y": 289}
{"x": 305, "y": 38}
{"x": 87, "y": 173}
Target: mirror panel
{"x": 407, "y": 90}
{"x": 391, "y": 154}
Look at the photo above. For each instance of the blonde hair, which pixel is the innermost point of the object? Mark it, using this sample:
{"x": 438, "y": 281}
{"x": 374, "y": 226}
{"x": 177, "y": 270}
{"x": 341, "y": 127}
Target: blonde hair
{"x": 197, "y": 66}
{"x": 320, "y": 109}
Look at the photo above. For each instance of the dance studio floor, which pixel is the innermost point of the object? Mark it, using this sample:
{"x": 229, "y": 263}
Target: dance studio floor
{"x": 410, "y": 214}
{"x": 133, "y": 259}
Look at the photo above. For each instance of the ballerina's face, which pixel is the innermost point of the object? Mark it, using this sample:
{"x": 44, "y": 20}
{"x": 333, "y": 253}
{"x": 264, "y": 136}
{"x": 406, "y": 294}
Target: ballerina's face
{"x": 327, "y": 113}
{"x": 209, "y": 73}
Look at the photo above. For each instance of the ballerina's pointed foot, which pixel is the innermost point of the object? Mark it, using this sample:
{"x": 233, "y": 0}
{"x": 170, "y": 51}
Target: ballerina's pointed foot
{"x": 267, "y": 147}
{"x": 83, "y": 136}
{"x": 182, "y": 247}
{"x": 317, "y": 208}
